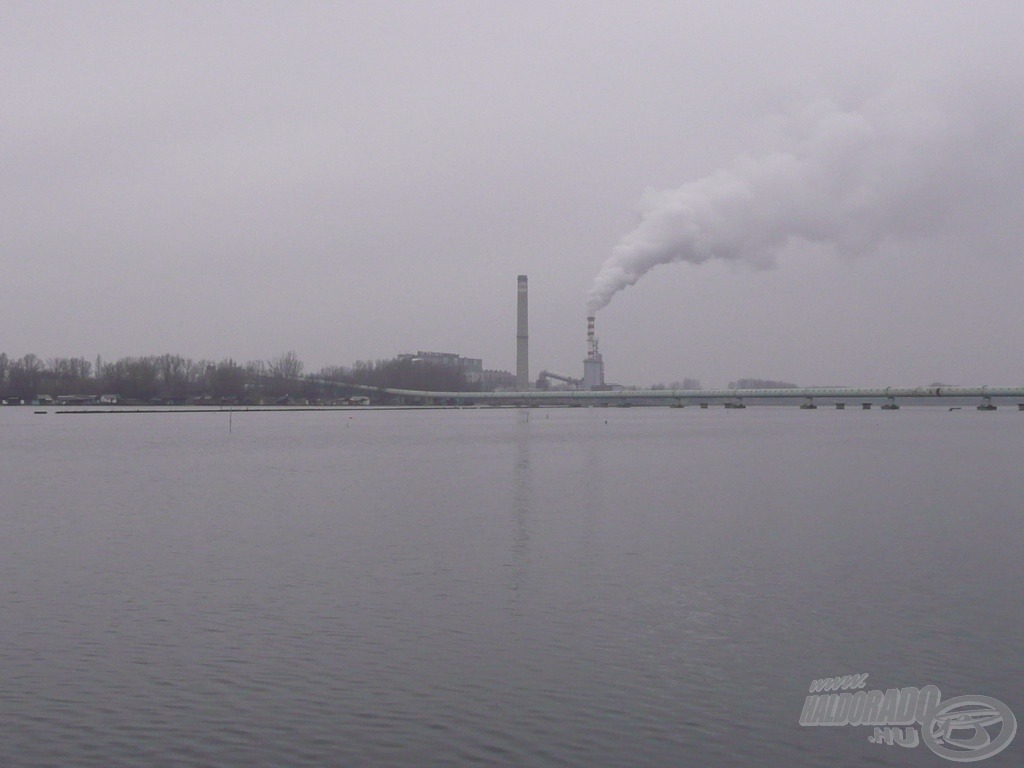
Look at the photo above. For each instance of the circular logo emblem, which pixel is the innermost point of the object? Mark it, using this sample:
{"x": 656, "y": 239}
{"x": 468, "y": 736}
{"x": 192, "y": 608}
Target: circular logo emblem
{"x": 969, "y": 728}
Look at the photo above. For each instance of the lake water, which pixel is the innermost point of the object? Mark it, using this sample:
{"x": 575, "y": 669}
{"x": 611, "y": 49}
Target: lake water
{"x": 552, "y": 587}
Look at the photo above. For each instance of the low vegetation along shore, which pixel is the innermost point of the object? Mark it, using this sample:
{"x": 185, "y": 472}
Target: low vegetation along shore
{"x": 177, "y": 380}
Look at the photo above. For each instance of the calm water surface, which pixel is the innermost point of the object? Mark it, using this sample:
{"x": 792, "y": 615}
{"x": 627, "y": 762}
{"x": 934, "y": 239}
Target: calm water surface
{"x": 576, "y": 587}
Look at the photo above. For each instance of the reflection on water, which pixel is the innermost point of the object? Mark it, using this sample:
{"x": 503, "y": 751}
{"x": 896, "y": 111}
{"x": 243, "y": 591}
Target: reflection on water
{"x": 521, "y": 508}
{"x": 578, "y": 587}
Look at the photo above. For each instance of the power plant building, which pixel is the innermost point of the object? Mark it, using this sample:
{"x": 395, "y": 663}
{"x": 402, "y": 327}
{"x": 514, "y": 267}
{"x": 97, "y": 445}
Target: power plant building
{"x": 471, "y": 367}
{"x": 468, "y": 365}
{"x": 593, "y": 364}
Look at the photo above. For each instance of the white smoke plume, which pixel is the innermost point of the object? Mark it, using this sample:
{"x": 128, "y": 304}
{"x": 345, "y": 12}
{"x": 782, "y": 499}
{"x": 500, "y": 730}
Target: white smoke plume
{"x": 847, "y": 179}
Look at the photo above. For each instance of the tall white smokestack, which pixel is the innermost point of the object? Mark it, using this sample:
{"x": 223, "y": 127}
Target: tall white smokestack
{"x": 522, "y": 339}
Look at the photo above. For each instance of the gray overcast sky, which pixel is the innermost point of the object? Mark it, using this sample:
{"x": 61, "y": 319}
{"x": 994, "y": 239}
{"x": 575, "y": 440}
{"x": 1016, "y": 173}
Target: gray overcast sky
{"x": 838, "y": 186}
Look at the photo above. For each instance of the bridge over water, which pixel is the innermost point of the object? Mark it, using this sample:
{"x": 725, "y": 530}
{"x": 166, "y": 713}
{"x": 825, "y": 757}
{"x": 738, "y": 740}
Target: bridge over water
{"x": 805, "y": 396}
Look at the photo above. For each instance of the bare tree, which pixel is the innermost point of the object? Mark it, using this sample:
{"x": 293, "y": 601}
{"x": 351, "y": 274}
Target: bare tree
{"x": 284, "y": 371}
{"x": 67, "y": 375}
{"x": 173, "y": 375}
{"x": 229, "y": 380}
{"x": 133, "y": 377}
{"x": 26, "y": 377}
{"x": 286, "y": 366}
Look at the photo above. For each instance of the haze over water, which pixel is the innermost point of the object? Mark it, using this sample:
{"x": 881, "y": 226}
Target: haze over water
{"x": 575, "y": 587}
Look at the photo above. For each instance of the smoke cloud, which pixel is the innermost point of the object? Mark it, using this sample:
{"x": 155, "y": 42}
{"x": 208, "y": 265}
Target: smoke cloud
{"x": 847, "y": 179}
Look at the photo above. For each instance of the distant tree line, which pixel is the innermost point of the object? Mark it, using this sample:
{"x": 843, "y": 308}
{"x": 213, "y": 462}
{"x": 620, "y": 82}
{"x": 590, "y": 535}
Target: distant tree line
{"x": 173, "y": 378}
{"x": 761, "y": 384}
{"x": 686, "y": 383}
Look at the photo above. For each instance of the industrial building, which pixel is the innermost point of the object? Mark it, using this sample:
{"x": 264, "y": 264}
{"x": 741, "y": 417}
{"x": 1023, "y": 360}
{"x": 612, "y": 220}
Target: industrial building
{"x": 471, "y": 367}
{"x": 468, "y": 365}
